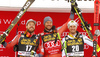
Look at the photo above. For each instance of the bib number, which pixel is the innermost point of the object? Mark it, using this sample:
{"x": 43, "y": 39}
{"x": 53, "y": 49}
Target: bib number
{"x": 75, "y": 48}
{"x": 28, "y": 47}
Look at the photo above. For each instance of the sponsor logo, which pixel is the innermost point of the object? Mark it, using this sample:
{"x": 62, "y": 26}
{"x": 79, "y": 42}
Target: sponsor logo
{"x": 86, "y": 46}
{"x": 66, "y": 33}
{"x": 20, "y": 14}
{"x": 27, "y": 4}
{"x": 28, "y": 42}
{"x": 25, "y": 7}
{"x": 51, "y": 45}
{"x": 74, "y": 42}
{"x": 49, "y": 37}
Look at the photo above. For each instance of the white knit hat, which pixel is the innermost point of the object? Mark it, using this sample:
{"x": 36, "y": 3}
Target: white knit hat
{"x": 72, "y": 22}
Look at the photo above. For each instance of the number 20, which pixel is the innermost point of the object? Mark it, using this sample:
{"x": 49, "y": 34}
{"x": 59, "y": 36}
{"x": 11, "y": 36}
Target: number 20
{"x": 75, "y": 48}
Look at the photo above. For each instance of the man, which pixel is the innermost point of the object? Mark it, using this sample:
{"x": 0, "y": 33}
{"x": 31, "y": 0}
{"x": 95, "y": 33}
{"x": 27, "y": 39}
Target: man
{"x": 50, "y": 41}
{"x": 74, "y": 42}
{"x": 26, "y": 41}
{"x": 51, "y": 44}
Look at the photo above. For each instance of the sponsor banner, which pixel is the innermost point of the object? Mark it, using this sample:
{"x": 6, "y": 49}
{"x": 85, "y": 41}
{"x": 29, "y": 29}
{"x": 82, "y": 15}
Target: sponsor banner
{"x": 6, "y": 17}
{"x": 9, "y": 21}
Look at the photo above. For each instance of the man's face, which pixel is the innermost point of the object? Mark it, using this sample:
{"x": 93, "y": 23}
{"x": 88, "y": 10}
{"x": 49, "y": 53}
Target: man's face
{"x": 48, "y": 25}
{"x": 72, "y": 29}
{"x": 30, "y": 27}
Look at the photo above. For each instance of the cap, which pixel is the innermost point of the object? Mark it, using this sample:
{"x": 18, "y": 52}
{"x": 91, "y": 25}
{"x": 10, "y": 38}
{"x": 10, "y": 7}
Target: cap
{"x": 72, "y": 22}
{"x": 30, "y": 21}
{"x": 48, "y": 18}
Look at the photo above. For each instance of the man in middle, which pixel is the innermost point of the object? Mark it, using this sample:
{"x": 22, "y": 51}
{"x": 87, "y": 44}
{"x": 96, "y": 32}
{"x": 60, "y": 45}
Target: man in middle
{"x": 50, "y": 41}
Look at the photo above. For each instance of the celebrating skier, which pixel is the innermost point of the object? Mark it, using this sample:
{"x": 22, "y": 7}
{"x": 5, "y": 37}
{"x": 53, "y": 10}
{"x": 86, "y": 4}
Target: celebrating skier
{"x": 50, "y": 41}
{"x": 74, "y": 41}
{"x": 26, "y": 42}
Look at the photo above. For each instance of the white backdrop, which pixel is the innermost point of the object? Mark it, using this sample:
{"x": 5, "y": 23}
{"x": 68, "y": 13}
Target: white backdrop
{"x": 46, "y": 3}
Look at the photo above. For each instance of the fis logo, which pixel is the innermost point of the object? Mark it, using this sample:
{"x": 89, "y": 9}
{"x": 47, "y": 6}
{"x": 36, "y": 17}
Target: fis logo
{"x": 23, "y": 9}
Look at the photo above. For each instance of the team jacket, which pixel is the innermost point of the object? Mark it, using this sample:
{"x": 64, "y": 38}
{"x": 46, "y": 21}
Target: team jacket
{"x": 25, "y": 44}
{"x": 75, "y": 46}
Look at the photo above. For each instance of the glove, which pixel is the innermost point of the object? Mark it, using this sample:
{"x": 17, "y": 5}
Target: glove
{"x": 74, "y": 4}
{"x": 2, "y": 40}
{"x": 72, "y": 1}
{"x": 15, "y": 48}
{"x": 34, "y": 54}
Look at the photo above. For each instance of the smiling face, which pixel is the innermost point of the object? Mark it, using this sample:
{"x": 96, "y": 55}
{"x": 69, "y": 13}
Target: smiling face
{"x": 30, "y": 27}
{"x": 48, "y": 25}
{"x": 72, "y": 29}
